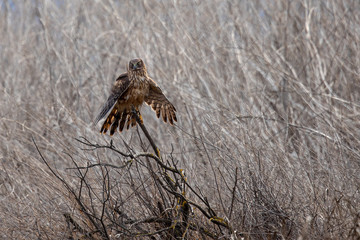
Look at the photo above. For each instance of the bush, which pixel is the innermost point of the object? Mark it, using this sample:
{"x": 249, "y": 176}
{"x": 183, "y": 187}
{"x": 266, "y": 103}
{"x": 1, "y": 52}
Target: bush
{"x": 267, "y": 143}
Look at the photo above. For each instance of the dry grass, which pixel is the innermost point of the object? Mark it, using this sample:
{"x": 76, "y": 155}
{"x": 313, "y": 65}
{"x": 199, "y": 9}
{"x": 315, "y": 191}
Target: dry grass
{"x": 267, "y": 92}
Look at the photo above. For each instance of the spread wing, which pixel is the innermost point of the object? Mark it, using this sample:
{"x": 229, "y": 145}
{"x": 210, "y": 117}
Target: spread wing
{"x": 118, "y": 89}
{"x": 160, "y": 104}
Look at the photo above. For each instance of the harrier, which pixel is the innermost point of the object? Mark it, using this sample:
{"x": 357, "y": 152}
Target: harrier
{"x": 129, "y": 92}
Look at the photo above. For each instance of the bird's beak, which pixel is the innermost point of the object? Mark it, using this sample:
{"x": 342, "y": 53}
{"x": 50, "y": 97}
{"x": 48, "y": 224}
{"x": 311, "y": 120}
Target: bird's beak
{"x": 134, "y": 66}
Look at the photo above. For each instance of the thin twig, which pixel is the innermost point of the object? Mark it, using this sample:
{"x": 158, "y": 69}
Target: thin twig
{"x": 153, "y": 145}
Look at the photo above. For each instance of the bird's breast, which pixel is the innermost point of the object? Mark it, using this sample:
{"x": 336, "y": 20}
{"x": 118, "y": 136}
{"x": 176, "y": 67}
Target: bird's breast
{"x": 138, "y": 90}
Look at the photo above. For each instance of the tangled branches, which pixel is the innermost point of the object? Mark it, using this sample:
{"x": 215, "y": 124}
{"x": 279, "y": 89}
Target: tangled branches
{"x": 159, "y": 202}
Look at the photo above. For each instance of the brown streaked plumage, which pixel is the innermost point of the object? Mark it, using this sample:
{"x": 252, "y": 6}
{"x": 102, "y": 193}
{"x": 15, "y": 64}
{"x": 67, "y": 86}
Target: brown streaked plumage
{"x": 132, "y": 89}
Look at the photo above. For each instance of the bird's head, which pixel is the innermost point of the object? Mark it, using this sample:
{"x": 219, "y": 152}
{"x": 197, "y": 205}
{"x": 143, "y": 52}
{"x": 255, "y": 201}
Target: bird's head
{"x": 136, "y": 64}
{"x": 137, "y": 68}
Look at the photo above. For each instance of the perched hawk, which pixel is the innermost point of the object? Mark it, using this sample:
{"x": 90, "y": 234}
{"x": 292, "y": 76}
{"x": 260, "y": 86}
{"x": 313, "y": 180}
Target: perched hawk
{"x": 130, "y": 91}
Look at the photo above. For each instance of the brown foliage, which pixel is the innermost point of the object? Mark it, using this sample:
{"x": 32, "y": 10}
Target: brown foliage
{"x": 267, "y": 94}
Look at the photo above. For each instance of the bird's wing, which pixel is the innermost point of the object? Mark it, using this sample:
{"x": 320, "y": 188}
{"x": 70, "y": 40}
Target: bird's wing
{"x": 118, "y": 89}
{"x": 160, "y": 104}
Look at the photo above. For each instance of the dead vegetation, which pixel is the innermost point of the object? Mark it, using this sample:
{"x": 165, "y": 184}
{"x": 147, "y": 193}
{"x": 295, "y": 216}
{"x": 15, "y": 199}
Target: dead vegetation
{"x": 267, "y": 144}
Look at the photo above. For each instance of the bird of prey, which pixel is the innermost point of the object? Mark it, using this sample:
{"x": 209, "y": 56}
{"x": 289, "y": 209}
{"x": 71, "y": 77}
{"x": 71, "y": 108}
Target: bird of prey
{"x": 130, "y": 91}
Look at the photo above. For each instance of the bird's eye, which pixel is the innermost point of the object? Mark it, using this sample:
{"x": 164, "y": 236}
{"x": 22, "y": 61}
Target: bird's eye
{"x": 139, "y": 64}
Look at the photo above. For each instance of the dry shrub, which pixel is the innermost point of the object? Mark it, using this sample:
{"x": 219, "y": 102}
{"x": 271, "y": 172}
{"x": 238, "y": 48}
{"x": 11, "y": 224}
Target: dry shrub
{"x": 267, "y": 94}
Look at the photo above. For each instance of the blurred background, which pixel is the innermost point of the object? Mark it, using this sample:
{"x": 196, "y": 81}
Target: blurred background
{"x": 267, "y": 96}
